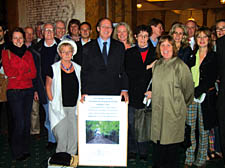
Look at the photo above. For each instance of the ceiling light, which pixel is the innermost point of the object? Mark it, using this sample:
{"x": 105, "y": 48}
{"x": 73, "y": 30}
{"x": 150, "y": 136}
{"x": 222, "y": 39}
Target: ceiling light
{"x": 222, "y": 1}
{"x": 139, "y": 5}
{"x": 159, "y": 0}
{"x": 191, "y": 18}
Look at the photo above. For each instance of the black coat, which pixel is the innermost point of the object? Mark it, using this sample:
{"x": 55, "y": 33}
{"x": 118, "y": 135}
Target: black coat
{"x": 138, "y": 76}
{"x": 221, "y": 73}
{"x": 98, "y": 78}
{"x": 38, "y": 84}
{"x": 186, "y": 54}
{"x": 208, "y": 76}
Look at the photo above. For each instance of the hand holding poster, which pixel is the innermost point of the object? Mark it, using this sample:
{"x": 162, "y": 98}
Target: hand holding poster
{"x": 102, "y": 129}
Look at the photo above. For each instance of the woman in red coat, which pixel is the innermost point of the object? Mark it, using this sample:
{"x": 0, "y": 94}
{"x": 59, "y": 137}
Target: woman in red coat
{"x": 20, "y": 69}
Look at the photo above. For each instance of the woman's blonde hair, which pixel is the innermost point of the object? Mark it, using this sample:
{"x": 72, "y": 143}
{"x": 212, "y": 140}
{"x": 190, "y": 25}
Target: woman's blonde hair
{"x": 170, "y": 40}
{"x": 130, "y": 39}
{"x": 184, "y": 41}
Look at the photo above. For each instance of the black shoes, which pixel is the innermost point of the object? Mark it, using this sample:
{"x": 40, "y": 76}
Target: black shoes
{"x": 24, "y": 157}
{"x": 143, "y": 158}
{"x": 131, "y": 156}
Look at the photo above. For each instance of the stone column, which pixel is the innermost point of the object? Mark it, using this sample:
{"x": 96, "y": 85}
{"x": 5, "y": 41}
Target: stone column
{"x": 205, "y": 12}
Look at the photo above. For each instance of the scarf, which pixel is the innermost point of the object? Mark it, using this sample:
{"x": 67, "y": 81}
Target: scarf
{"x": 142, "y": 49}
{"x": 19, "y": 51}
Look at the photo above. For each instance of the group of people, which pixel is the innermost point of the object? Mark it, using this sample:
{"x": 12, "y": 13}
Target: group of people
{"x": 56, "y": 70}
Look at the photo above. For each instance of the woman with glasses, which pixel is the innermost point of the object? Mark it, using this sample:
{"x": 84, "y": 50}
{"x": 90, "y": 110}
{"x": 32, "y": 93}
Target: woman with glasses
{"x": 63, "y": 91}
{"x": 137, "y": 66}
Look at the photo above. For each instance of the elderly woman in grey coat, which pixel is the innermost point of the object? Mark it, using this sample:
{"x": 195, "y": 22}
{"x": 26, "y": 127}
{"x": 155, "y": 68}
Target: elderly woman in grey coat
{"x": 172, "y": 92}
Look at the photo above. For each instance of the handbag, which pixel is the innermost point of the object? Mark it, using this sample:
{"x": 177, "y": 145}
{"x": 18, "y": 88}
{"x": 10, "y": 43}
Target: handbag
{"x": 3, "y": 84}
{"x": 142, "y": 122}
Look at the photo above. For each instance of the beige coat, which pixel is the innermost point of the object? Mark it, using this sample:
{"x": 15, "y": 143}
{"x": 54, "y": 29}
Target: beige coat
{"x": 172, "y": 92}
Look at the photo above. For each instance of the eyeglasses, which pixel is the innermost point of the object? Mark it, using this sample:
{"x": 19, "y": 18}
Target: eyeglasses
{"x": 219, "y": 29}
{"x": 61, "y": 28}
{"x": 49, "y": 30}
{"x": 141, "y": 36}
{"x": 66, "y": 52}
{"x": 85, "y": 29}
{"x": 106, "y": 27}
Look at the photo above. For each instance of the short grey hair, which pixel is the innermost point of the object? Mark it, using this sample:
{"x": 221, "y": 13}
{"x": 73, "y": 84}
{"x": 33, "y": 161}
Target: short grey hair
{"x": 53, "y": 25}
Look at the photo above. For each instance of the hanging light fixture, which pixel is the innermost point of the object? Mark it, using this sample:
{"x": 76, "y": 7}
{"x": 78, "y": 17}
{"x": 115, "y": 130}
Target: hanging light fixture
{"x": 191, "y": 18}
{"x": 139, "y": 5}
{"x": 222, "y": 1}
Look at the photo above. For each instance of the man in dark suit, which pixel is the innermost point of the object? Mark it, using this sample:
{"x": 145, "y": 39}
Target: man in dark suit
{"x": 102, "y": 70}
{"x": 221, "y": 97}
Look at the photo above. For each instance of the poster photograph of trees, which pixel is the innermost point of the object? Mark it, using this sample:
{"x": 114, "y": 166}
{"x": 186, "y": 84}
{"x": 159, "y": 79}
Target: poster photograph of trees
{"x": 102, "y": 132}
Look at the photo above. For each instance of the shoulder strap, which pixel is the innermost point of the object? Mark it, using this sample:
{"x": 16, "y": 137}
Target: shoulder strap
{"x": 149, "y": 85}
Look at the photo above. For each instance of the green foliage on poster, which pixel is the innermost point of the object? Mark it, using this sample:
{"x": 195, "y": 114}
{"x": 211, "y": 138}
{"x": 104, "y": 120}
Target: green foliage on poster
{"x": 105, "y": 127}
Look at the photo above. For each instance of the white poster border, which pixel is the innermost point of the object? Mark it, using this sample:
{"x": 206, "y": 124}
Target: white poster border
{"x": 103, "y": 154}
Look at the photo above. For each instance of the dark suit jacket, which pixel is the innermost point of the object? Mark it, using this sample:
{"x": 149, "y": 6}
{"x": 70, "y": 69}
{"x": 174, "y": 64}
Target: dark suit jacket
{"x": 98, "y": 78}
{"x": 221, "y": 72}
{"x": 138, "y": 76}
{"x": 78, "y": 56}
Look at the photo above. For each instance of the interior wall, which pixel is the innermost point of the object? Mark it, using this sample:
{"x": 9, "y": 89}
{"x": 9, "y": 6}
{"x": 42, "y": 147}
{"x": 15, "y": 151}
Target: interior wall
{"x": 116, "y": 10}
{"x": 32, "y": 11}
{"x": 12, "y": 13}
{"x": 144, "y": 17}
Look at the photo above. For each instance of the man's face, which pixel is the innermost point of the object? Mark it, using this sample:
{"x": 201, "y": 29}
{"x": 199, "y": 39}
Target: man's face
{"x": 60, "y": 30}
{"x": 74, "y": 29}
{"x": 105, "y": 29}
{"x": 2, "y": 33}
{"x": 220, "y": 29}
{"x": 39, "y": 32}
{"x": 48, "y": 32}
{"x": 85, "y": 31}
{"x": 29, "y": 35}
{"x": 191, "y": 28}
{"x": 157, "y": 30}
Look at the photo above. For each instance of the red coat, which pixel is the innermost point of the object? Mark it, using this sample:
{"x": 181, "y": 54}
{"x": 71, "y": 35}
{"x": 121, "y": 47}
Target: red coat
{"x": 20, "y": 71}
